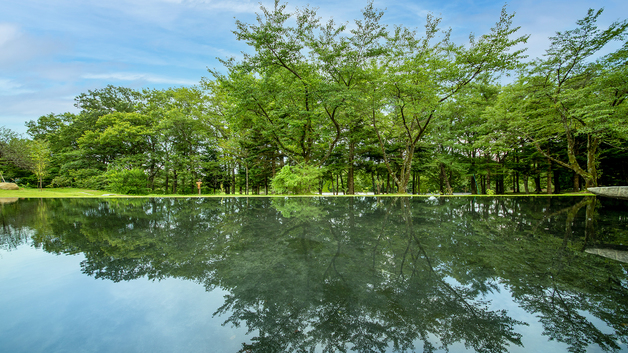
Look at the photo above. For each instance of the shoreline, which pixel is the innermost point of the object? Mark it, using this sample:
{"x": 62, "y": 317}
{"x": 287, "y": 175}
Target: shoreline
{"x": 83, "y": 193}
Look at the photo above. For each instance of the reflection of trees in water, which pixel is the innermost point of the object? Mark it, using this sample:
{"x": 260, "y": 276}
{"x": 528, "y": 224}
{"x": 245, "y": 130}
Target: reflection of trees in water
{"x": 361, "y": 273}
{"x": 15, "y": 229}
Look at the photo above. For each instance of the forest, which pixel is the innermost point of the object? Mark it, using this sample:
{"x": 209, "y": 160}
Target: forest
{"x": 323, "y": 107}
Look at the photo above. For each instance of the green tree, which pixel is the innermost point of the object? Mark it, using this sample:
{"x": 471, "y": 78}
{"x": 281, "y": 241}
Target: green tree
{"x": 39, "y": 153}
{"x": 422, "y": 73}
{"x": 14, "y": 154}
{"x": 563, "y": 98}
{"x": 185, "y": 135}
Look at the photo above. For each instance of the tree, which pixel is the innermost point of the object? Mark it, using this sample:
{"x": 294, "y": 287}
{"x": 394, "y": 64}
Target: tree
{"x": 40, "y": 156}
{"x": 422, "y": 73}
{"x": 563, "y": 98}
{"x": 346, "y": 63}
{"x": 284, "y": 101}
{"x": 14, "y": 151}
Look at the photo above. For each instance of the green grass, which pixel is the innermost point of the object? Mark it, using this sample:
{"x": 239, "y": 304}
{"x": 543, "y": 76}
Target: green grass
{"x": 53, "y": 192}
{"x": 85, "y": 193}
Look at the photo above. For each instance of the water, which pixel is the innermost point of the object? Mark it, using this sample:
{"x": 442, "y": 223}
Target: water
{"x": 313, "y": 274}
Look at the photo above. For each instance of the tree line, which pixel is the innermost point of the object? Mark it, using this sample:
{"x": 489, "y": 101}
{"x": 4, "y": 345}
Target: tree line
{"x": 325, "y": 107}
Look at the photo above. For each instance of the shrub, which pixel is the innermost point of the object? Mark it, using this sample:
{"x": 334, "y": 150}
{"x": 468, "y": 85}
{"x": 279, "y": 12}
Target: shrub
{"x": 61, "y": 181}
{"x": 299, "y": 179}
{"x": 126, "y": 181}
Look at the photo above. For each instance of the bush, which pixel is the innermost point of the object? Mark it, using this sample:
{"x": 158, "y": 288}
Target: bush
{"x": 127, "y": 181}
{"x": 61, "y": 181}
{"x": 299, "y": 179}
{"x": 80, "y": 178}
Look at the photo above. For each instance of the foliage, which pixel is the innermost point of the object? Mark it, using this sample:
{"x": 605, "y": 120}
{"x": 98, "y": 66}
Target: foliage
{"x": 14, "y": 154}
{"x": 300, "y": 179}
{"x": 380, "y": 109}
{"x": 87, "y": 178}
{"x": 127, "y": 181}
{"x": 567, "y": 97}
{"x": 40, "y": 156}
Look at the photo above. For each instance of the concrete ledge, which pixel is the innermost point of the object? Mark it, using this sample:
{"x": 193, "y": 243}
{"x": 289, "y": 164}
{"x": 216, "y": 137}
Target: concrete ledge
{"x": 618, "y": 192}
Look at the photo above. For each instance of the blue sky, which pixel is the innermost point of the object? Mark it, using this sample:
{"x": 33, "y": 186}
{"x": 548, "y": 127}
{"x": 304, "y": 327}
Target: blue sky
{"x": 51, "y": 51}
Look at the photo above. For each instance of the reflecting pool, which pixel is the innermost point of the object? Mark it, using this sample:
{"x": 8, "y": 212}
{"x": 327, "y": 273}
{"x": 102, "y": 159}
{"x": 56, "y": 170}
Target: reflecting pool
{"x": 365, "y": 274}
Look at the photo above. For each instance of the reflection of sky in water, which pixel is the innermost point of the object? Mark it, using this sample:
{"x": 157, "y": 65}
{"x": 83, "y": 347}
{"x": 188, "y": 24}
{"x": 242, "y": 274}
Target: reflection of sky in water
{"x": 48, "y": 305}
{"x": 501, "y": 299}
{"x": 52, "y": 306}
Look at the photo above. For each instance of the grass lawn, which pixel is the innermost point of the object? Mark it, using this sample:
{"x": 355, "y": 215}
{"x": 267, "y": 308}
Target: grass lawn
{"x": 72, "y": 192}
{"x": 59, "y": 192}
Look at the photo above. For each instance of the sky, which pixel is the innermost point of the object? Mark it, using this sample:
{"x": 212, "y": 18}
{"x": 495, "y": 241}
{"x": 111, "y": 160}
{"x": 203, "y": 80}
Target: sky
{"x": 52, "y": 51}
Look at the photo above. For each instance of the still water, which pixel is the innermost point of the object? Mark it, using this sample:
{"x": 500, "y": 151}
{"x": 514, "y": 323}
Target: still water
{"x": 538, "y": 274}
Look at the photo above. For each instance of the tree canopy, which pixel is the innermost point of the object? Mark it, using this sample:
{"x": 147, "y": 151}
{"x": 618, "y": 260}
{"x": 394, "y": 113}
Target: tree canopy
{"x": 363, "y": 108}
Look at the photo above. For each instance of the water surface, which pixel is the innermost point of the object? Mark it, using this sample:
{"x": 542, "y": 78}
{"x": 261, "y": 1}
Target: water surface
{"x": 314, "y": 274}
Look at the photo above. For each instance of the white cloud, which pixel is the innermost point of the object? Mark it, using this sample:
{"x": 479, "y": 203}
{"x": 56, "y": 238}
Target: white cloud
{"x": 128, "y": 76}
{"x": 17, "y": 47}
{"x": 231, "y": 5}
{"x": 169, "y": 13}
{"x": 53, "y": 51}
{"x": 543, "y": 21}
{"x": 8, "y": 32}
{"x": 10, "y": 88}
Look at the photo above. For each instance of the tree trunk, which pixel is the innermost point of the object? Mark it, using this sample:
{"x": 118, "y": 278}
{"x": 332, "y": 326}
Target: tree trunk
{"x": 342, "y": 184}
{"x": 526, "y": 188}
{"x": 537, "y": 183}
{"x": 576, "y": 182}
{"x": 350, "y": 177}
{"x": 592, "y": 145}
{"x": 233, "y": 180}
{"x": 445, "y": 178}
{"x": 549, "y": 177}
{"x": 373, "y": 182}
{"x": 413, "y": 183}
{"x": 167, "y": 177}
{"x": 556, "y": 179}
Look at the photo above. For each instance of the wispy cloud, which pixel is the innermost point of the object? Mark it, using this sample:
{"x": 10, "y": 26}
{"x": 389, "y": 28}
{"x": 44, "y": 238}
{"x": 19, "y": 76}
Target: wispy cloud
{"x": 127, "y": 76}
{"x": 50, "y": 51}
{"x": 17, "y": 47}
{"x": 8, "y": 32}
{"x": 11, "y": 88}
